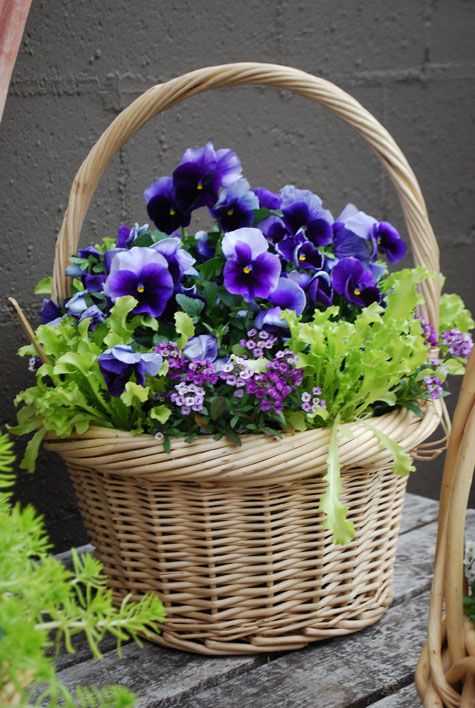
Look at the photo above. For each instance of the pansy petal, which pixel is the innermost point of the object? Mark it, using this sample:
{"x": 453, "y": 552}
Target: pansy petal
{"x": 288, "y": 296}
{"x": 254, "y": 238}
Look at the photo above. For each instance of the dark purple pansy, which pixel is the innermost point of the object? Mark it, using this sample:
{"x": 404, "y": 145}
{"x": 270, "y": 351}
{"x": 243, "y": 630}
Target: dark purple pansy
{"x": 249, "y": 270}
{"x": 274, "y": 229}
{"x": 180, "y": 262}
{"x": 267, "y": 200}
{"x": 288, "y": 296}
{"x": 142, "y": 273}
{"x": 357, "y": 284}
{"x": 204, "y": 346}
{"x": 94, "y": 283}
{"x": 317, "y": 286}
{"x": 303, "y": 210}
{"x": 353, "y": 234}
{"x": 235, "y": 206}
{"x": 89, "y": 252}
{"x": 389, "y": 242}
{"x": 201, "y": 173}
{"x": 123, "y": 237}
{"x": 203, "y": 247}
{"x": 301, "y": 252}
{"x": 118, "y": 364}
{"x": 49, "y": 312}
{"x": 163, "y": 208}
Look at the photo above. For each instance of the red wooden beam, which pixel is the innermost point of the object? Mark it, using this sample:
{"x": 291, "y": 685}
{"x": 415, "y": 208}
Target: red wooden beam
{"x": 13, "y": 14}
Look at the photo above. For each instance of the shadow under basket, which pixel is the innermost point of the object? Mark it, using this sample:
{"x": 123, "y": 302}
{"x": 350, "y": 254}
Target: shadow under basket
{"x": 231, "y": 538}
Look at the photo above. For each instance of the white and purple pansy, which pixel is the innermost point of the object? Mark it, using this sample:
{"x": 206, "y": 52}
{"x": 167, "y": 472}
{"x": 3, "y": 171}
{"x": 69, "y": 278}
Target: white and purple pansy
{"x": 249, "y": 271}
{"x": 180, "y": 262}
{"x": 142, "y": 273}
{"x": 235, "y": 206}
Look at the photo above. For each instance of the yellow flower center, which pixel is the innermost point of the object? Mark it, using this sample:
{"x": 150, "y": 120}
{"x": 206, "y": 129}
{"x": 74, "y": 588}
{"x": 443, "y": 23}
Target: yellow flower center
{"x": 230, "y": 212}
{"x": 140, "y": 288}
{"x": 379, "y": 242}
{"x": 199, "y": 186}
{"x": 246, "y": 269}
{"x": 172, "y": 212}
{"x": 302, "y": 257}
{"x": 357, "y": 292}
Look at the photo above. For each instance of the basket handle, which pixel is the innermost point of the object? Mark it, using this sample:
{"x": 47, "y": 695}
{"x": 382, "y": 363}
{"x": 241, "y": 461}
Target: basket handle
{"x": 163, "y": 96}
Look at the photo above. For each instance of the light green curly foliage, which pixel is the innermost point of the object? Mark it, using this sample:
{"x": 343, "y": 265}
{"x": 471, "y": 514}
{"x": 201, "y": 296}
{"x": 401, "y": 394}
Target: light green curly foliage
{"x": 359, "y": 363}
{"x": 70, "y": 393}
{"x": 42, "y": 604}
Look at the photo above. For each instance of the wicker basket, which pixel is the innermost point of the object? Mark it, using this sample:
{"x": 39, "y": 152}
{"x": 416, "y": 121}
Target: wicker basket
{"x": 231, "y": 538}
{"x": 445, "y": 673}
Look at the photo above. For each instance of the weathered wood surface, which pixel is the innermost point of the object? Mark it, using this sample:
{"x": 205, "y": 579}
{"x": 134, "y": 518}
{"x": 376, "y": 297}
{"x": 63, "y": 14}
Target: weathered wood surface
{"x": 374, "y": 667}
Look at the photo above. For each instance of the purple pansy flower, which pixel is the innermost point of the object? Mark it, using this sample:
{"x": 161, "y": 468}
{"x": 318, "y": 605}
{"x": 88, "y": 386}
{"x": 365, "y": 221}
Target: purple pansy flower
{"x": 201, "y": 173}
{"x": 94, "y": 283}
{"x": 142, "y": 273}
{"x": 163, "y": 208}
{"x": 353, "y": 234}
{"x": 94, "y": 314}
{"x": 303, "y": 210}
{"x": 288, "y": 296}
{"x": 126, "y": 236}
{"x": 357, "y": 285}
{"x": 49, "y": 312}
{"x": 267, "y": 200}
{"x": 204, "y": 248}
{"x": 89, "y": 252}
{"x": 180, "y": 262}
{"x": 301, "y": 252}
{"x": 235, "y": 206}
{"x": 317, "y": 286}
{"x": 389, "y": 242}
{"x": 249, "y": 270}
{"x": 270, "y": 320}
{"x": 274, "y": 229}
{"x": 119, "y": 363}
{"x": 204, "y": 346}
{"x": 76, "y": 305}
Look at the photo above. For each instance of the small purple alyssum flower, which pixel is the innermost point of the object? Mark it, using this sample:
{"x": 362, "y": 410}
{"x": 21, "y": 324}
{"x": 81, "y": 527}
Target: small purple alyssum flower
{"x": 236, "y": 372}
{"x": 459, "y": 344}
{"x": 311, "y": 402}
{"x": 188, "y": 397}
{"x": 434, "y": 387}
{"x": 258, "y": 341}
{"x": 119, "y": 363}
{"x": 272, "y": 386}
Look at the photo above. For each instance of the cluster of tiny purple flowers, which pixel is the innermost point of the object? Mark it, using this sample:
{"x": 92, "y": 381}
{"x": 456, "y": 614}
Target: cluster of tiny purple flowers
{"x": 188, "y": 397}
{"x": 258, "y": 342}
{"x": 458, "y": 344}
{"x": 280, "y": 379}
{"x": 311, "y": 402}
{"x": 434, "y": 387}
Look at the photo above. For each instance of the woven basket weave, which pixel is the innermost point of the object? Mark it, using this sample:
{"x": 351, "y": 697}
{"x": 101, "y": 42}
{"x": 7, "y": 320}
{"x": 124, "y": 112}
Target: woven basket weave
{"x": 445, "y": 673}
{"x": 231, "y": 538}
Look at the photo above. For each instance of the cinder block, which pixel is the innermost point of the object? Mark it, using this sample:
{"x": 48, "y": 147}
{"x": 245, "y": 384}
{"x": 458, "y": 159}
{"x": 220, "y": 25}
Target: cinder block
{"x": 348, "y": 36}
{"x": 451, "y": 31}
{"x": 433, "y": 123}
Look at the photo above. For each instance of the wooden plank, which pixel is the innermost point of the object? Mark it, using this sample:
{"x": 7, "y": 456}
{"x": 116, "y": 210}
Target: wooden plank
{"x": 417, "y": 512}
{"x": 346, "y": 671}
{"x": 405, "y": 698}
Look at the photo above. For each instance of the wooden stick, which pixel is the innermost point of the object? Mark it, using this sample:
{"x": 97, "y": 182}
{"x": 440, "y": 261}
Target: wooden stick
{"x": 28, "y": 329}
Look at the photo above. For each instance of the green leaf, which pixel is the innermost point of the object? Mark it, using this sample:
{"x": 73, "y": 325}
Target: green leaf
{"x": 262, "y": 213}
{"x": 134, "y": 394}
{"x": 44, "y": 286}
{"x": 335, "y": 512}
{"x": 453, "y": 314}
{"x": 184, "y": 326}
{"x": 217, "y": 407}
{"x": 233, "y": 438}
{"x": 402, "y": 460}
{"x": 160, "y": 413}
{"x": 32, "y": 449}
{"x": 296, "y": 420}
{"x": 455, "y": 367}
{"x": 120, "y": 332}
{"x": 192, "y": 306}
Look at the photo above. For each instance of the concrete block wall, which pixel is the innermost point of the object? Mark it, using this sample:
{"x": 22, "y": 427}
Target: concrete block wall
{"x": 411, "y": 63}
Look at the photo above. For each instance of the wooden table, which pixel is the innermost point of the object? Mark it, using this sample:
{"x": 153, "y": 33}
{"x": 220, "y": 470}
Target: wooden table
{"x": 374, "y": 667}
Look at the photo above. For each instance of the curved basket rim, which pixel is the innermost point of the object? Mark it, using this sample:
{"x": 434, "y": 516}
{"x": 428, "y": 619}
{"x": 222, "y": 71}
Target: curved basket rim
{"x": 120, "y": 452}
